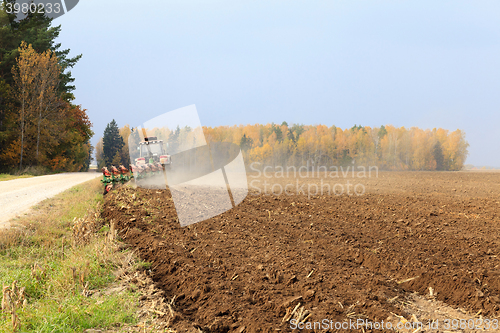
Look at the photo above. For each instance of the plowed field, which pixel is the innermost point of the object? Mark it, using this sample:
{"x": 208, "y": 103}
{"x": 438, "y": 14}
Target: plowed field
{"x": 275, "y": 260}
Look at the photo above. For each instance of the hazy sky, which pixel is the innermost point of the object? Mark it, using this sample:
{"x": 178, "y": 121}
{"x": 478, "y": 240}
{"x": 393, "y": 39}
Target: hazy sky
{"x": 420, "y": 63}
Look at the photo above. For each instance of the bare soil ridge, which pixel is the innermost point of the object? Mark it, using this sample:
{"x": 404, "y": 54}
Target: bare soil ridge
{"x": 330, "y": 257}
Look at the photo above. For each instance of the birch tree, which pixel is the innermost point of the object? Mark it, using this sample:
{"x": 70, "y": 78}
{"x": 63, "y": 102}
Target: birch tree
{"x": 46, "y": 90}
{"x": 24, "y": 74}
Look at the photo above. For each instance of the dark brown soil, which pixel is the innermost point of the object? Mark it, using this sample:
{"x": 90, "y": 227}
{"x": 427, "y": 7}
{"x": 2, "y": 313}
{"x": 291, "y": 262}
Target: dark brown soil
{"x": 340, "y": 257}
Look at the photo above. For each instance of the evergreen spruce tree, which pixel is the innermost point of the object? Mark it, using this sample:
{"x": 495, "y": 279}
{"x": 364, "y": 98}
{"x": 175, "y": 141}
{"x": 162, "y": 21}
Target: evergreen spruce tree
{"x": 382, "y": 132}
{"x": 36, "y": 30}
{"x": 112, "y": 143}
{"x": 245, "y": 143}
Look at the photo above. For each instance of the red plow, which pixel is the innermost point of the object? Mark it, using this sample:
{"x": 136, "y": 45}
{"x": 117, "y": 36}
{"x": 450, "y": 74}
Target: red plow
{"x": 118, "y": 175}
{"x": 121, "y": 175}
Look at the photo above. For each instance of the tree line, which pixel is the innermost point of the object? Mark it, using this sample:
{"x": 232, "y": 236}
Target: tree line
{"x": 39, "y": 124}
{"x": 386, "y": 147}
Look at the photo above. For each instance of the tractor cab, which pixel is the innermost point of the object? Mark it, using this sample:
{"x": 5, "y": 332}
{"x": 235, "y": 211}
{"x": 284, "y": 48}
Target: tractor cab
{"x": 151, "y": 151}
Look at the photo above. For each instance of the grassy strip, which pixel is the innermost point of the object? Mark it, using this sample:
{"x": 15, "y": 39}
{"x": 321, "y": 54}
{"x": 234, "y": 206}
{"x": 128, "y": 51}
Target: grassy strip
{"x": 63, "y": 268}
{"x": 26, "y": 172}
{"x": 6, "y": 176}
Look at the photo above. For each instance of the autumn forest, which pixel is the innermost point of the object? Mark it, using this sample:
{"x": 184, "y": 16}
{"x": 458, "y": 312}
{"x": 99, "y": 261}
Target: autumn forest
{"x": 386, "y": 147}
{"x": 40, "y": 127}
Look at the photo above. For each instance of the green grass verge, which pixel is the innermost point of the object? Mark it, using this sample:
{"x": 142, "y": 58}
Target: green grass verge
{"x": 58, "y": 275}
{"x": 6, "y": 176}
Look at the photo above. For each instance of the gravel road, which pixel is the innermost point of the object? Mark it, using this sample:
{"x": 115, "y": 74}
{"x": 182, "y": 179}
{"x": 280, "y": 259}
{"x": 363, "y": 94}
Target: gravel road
{"x": 18, "y": 195}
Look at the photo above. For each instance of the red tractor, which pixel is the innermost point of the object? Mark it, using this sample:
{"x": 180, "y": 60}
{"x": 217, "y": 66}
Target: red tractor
{"x": 152, "y": 160}
{"x": 152, "y": 151}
